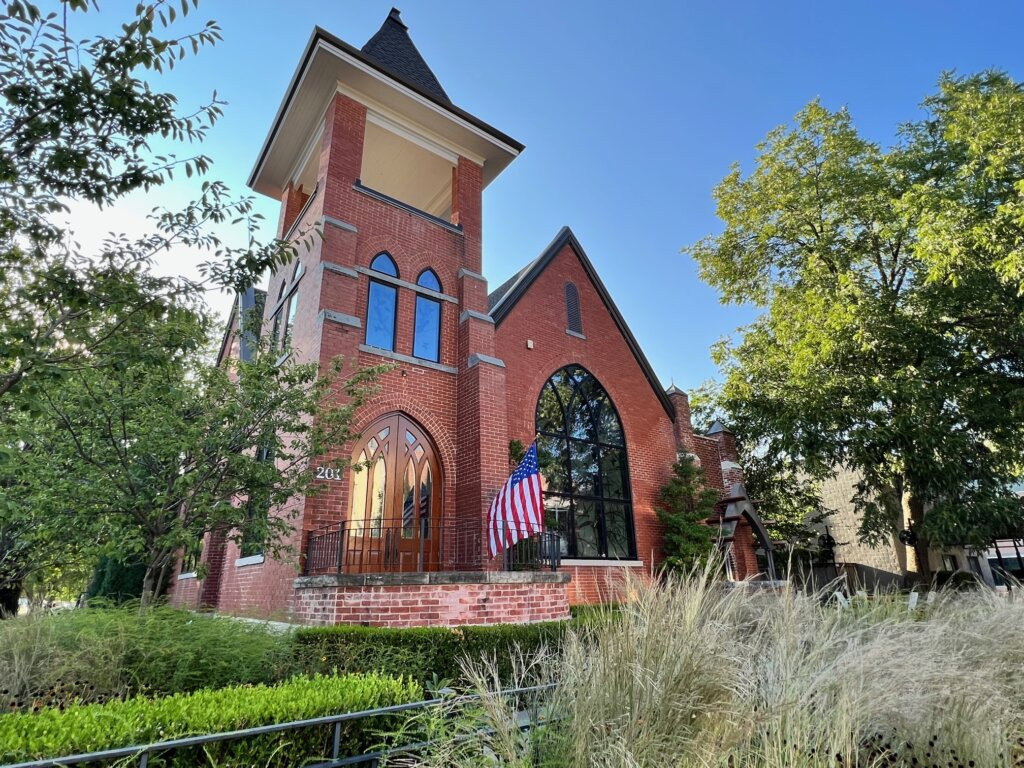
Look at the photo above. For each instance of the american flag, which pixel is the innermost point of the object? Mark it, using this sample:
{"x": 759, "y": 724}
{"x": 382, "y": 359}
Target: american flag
{"x": 518, "y": 509}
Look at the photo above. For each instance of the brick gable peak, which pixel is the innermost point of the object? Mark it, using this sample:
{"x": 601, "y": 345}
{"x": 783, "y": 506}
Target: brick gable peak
{"x": 512, "y": 290}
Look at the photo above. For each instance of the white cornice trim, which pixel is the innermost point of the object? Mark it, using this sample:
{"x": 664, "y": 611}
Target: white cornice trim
{"x": 422, "y": 100}
{"x": 407, "y": 131}
{"x": 307, "y": 151}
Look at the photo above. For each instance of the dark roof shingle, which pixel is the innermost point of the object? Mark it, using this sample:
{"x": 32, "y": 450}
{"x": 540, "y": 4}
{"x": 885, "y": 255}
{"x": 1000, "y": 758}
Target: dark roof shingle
{"x": 393, "y": 49}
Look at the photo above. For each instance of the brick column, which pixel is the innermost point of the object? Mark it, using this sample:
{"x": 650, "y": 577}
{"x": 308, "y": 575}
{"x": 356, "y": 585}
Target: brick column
{"x": 683, "y": 425}
{"x": 482, "y": 447}
{"x": 467, "y": 212}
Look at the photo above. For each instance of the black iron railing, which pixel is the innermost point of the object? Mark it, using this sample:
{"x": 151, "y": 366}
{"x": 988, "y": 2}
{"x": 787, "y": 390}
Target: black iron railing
{"x": 359, "y": 548}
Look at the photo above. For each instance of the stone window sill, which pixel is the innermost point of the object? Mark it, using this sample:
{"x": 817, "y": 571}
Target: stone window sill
{"x": 250, "y": 560}
{"x": 189, "y": 575}
{"x": 601, "y": 563}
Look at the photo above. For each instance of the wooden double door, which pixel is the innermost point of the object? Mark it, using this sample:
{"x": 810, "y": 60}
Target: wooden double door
{"x": 394, "y": 515}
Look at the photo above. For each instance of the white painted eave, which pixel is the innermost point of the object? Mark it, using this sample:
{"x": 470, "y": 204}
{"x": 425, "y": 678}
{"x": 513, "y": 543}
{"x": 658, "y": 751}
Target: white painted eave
{"x": 329, "y": 65}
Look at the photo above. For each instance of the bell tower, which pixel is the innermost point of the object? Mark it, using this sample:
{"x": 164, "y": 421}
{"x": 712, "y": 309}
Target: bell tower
{"x": 381, "y": 177}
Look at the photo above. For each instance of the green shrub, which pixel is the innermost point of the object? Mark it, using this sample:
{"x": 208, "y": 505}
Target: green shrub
{"x": 93, "y": 727}
{"x": 422, "y": 653}
{"x": 97, "y": 654}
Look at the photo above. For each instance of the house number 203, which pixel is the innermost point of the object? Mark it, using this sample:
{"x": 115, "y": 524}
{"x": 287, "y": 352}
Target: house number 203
{"x": 328, "y": 473}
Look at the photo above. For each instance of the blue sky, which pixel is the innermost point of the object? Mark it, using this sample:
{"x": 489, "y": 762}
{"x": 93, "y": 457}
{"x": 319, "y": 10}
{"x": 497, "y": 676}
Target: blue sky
{"x": 630, "y": 113}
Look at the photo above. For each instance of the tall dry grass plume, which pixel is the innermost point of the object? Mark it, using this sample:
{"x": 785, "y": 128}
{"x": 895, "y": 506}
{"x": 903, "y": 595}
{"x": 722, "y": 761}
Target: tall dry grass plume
{"x": 693, "y": 672}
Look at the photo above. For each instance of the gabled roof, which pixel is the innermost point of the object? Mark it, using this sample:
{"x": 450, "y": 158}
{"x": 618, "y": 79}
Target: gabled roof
{"x": 508, "y": 294}
{"x": 392, "y": 48}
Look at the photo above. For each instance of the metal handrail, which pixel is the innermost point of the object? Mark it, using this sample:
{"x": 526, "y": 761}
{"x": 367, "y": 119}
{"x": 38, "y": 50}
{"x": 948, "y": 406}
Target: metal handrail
{"x": 338, "y": 548}
{"x": 142, "y": 751}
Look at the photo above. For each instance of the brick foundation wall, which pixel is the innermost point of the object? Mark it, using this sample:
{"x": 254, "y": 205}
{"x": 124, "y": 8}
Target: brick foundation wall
{"x": 471, "y": 599}
{"x": 604, "y": 584}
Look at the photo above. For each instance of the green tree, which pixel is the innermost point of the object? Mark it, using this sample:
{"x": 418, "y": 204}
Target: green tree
{"x": 872, "y": 352}
{"x": 684, "y": 505}
{"x": 149, "y": 456}
{"x": 78, "y": 121}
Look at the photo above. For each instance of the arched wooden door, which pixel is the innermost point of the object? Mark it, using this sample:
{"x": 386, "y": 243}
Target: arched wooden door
{"x": 393, "y": 522}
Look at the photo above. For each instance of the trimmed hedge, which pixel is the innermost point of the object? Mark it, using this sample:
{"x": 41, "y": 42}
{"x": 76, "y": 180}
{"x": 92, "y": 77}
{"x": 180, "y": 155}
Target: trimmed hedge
{"x": 420, "y": 652}
{"x": 55, "y": 733}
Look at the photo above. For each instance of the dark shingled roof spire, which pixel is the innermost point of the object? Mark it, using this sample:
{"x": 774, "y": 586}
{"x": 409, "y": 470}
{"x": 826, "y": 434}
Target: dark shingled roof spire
{"x": 393, "y": 49}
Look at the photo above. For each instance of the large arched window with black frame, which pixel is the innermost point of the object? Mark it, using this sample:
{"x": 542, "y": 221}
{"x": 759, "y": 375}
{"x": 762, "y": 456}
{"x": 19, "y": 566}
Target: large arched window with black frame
{"x": 382, "y": 305}
{"x": 582, "y": 453}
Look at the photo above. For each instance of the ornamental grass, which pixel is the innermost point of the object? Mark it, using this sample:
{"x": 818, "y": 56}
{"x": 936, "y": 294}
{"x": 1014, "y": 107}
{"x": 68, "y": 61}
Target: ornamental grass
{"x": 692, "y": 673}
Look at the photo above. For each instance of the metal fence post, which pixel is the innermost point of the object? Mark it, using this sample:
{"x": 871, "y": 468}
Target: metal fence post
{"x": 341, "y": 545}
{"x": 309, "y": 554}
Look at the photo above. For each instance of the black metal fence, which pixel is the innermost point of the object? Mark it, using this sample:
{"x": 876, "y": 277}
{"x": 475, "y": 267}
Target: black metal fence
{"x": 528, "y": 699}
{"x": 359, "y": 548}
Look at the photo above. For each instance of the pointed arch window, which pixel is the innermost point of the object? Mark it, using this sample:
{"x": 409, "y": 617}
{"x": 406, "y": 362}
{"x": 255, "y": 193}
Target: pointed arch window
{"x": 382, "y": 305}
{"x": 573, "y": 320}
{"x": 426, "y": 342}
{"x": 583, "y": 457}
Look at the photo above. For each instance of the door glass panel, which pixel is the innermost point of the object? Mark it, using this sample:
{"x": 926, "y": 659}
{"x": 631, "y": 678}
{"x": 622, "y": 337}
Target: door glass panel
{"x": 556, "y": 517}
{"x": 549, "y": 411}
{"x": 581, "y": 426}
{"x": 372, "y": 446}
{"x": 426, "y": 490}
{"x": 357, "y": 509}
{"x": 380, "y": 473}
{"x": 409, "y": 501}
{"x": 608, "y": 428}
{"x": 584, "y": 468}
{"x": 552, "y": 465}
{"x": 418, "y": 452}
{"x": 410, "y": 438}
{"x": 613, "y": 483}
{"x": 384, "y": 433}
{"x": 588, "y": 534}
{"x": 616, "y": 528}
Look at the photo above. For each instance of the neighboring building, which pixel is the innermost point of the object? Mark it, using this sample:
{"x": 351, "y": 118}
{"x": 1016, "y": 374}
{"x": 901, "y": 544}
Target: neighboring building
{"x": 884, "y": 565}
{"x": 368, "y": 148}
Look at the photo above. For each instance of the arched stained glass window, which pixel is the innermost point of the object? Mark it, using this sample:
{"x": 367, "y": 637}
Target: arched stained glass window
{"x": 583, "y": 457}
{"x": 382, "y": 305}
{"x": 426, "y": 342}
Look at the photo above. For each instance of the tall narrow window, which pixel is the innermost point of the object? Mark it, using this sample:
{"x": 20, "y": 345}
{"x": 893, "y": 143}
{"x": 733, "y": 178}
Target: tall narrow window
{"x": 583, "y": 458}
{"x": 289, "y": 321}
{"x": 276, "y": 333}
{"x": 572, "y": 309}
{"x": 382, "y": 305}
{"x": 426, "y": 342}
{"x": 257, "y": 511}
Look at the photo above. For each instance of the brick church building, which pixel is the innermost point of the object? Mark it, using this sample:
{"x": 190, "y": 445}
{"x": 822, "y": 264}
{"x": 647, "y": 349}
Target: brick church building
{"x": 368, "y": 150}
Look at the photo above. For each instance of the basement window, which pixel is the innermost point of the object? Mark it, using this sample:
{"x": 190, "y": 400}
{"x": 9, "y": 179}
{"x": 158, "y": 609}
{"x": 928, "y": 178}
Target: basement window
{"x": 410, "y": 169}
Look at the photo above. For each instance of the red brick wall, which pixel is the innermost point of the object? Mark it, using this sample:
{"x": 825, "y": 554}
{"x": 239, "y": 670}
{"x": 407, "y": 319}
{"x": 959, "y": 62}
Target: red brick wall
{"x": 433, "y": 398}
{"x": 540, "y": 316}
{"x": 604, "y": 584}
{"x": 439, "y": 605}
